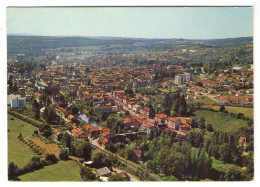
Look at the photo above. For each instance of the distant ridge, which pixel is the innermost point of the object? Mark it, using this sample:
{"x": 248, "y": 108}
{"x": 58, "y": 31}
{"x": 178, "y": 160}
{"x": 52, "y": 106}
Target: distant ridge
{"x": 121, "y": 38}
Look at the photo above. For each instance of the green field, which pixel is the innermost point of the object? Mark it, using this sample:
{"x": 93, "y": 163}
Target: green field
{"x": 205, "y": 100}
{"x": 220, "y": 166}
{"x": 62, "y": 171}
{"x": 18, "y": 152}
{"x": 220, "y": 121}
{"x": 248, "y": 112}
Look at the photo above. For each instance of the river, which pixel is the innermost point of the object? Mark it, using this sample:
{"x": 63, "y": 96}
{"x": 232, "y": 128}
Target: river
{"x": 86, "y": 119}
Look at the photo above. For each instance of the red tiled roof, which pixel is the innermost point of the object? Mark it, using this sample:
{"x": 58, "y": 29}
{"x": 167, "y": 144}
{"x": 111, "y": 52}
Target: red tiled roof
{"x": 123, "y": 175}
{"x": 92, "y": 128}
{"x": 104, "y": 141}
{"x": 106, "y": 133}
{"x": 63, "y": 110}
{"x": 242, "y": 139}
{"x": 70, "y": 117}
{"x": 161, "y": 115}
{"x": 174, "y": 119}
{"x": 77, "y": 132}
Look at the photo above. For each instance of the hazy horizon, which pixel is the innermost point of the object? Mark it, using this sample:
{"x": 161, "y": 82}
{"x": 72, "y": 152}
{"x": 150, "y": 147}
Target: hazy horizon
{"x": 132, "y": 22}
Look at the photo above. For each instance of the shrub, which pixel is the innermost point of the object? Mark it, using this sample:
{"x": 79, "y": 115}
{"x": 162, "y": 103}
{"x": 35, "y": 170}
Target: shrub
{"x": 12, "y": 171}
{"x": 87, "y": 174}
{"x": 51, "y": 157}
{"x": 63, "y": 155}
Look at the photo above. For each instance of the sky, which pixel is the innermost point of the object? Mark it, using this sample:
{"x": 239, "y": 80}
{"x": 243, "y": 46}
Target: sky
{"x": 137, "y": 22}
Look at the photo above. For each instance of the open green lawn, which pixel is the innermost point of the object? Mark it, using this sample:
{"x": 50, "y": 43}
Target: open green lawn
{"x": 167, "y": 90}
{"x": 220, "y": 121}
{"x": 62, "y": 171}
{"x": 18, "y": 152}
{"x": 248, "y": 112}
{"x": 205, "y": 100}
{"x": 220, "y": 166}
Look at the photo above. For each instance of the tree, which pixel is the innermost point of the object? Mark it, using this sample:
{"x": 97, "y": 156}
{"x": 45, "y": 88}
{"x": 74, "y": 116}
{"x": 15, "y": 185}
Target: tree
{"x": 66, "y": 140}
{"x": 101, "y": 160}
{"x": 225, "y": 153}
{"x": 10, "y": 83}
{"x": 12, "y": 171}
{"x": 15, "y": 87}
{"x": 222, "y": 108}
{"x": 46, "y": 130}
{"x": 63, "y": 155}
{"x": 35, "y": 104}
{"x": 37, "y": 114}
{"x": 81, "y": 148}
{"x": 51, "y": 157}
{"x": 115, "y": 177}
{"x": 152, "y": 112}
{"x": 210, "y": 128}
{"x": 129, "y": 154}
{"x": 232, "y": 174}
{"x": 74, "y": 110}
{"x": 195, "y": 138}
{"x": 87, "y": 174}
{"x": 183, "y": 106}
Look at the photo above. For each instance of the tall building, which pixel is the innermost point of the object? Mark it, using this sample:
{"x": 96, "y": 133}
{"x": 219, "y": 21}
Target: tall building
{"x": 189, "y": 76}
{"x": 181, "y": 78}
{"x": 18, "y": 102}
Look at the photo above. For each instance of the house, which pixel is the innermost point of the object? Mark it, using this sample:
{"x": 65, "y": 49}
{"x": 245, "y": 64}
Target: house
{"x": 78, "y": 133}
{"x": 124, "y": 176}
{"x": 62, "y": 111}
{"x": 71, "y": 117}
{"x": 138, "y": 153}
{"x": 184, "y": 127}
{"x": 222, "y": 100}
{"x": 136, "y": 108}
{"x": 103, "y": 172}
{"x": 104, "y": 141}
{"x": 145, "y": 112}
{"x": 107, "y": 134}
{"x": 131, "y": 122}
{"x": 234, "y": 100}
{"x": 173, "y": 122}
{"x": 107, "y": 109}
{"x": 231, "y": 91}
{"x": 57, "y": 135}
{"x": 94, "y": 131}
{"x": 242, "y": 141}
{"x": 148, "y": 123}
{"x": 160, "y": 118}
{"x": 244, "y": 101}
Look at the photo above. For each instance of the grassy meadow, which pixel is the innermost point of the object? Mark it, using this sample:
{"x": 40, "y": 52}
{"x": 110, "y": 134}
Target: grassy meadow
{"x": 62, "y": 171}
{"x": 248, "y": 112}
{"x": 18, "y": 152}
{"x": 220, "y": 121}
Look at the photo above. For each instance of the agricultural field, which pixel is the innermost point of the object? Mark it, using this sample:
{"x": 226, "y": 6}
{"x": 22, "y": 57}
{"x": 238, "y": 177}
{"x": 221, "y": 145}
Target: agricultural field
{"x": 62, "y": 171}
{"x": 18, "y": 152}
{"x": 248, "y": 112}
{"x": 220, "y": 121}
{"x": 47, "y": 147}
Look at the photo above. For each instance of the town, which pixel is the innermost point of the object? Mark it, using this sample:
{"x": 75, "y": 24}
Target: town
{"x": 130, "y": 111}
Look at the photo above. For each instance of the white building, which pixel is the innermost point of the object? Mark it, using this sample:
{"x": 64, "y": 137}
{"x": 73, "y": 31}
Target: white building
{"x": 18, "y": 102}
{"x": 12, "y": 96}
{"x": 181, "y": 78}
